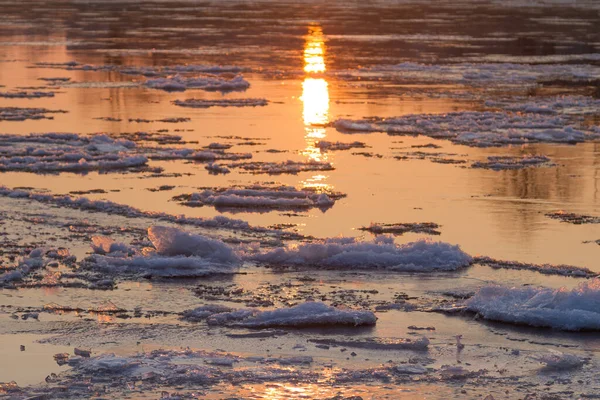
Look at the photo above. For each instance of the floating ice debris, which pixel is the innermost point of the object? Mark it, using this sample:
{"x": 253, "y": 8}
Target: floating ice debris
{"x": 429, "y": 228}
{"x": 55, "y": 79}
{"x": 382, "y": 252}
{"x": 170, "y": 241}
{"x": 261, "y": 198}
{"x": 215, "y": 169}
{"x": 498, "y": 163}
{"x": 570, "y": 105}
{"x": 556, "y": 360}
{"x": 110, "y": 207}
{"x": 303, "y": 315}
{"x": 21, "y": 114}
{"x": 547, "y": 269}
{"x": 179, "y": 83}
{"x": 26, "y": 95}
{"x": 420, "y": 343}
{"x": 148, "y": 71}
{"x": 63, "y": 152}
{"x": 481, "y": 129}
{"x": 285, "y": 167}
{"x": 175, "y": 120}
{"x": 203, "y": 312}
{"x": 571, "y": 310}
{"x": 198, "y": 155}
{"x": 481, "y": 73}
{"x": 201, "y": 103}
{"x": 572, "y": 218}
{"x": 332, "y": 146}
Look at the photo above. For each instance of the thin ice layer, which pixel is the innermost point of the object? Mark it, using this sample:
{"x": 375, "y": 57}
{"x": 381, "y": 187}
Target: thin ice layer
{"x": 303, "y": 315}
{"x": 570, "y": 310}
{"x": 382, "y": 252}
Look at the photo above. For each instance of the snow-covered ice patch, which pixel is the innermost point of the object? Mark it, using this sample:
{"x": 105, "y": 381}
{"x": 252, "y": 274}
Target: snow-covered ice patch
{"x": 303, "y": 315}
{"x": 175, "y": 254}
{"x": 261, "y": 198}
{"x": 382, "y": 252}
{"x": 66, "y": 152}
{"x": 564, "y": 309}
{"x": 109, "y": 207}
{"x": 170, "y": 241}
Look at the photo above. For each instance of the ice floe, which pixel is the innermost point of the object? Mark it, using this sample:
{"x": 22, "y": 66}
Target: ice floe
{"x": 564, "y": 309}
{"x": 179, "y": 83}
{"x": 22, "y": 114}
{"x": 481, "y": 129}
{"x": 303, "y": 315}
{"x": 170, "y": 241}
{"x": 547, "y": 269}
{"x": 498, "y": 163}
{"x": 573, "y": 218}
{"x": 25, "y": 95}
{"x": 201, "y": 103}
{"x": 64, "y": 152}
{"x": 324, "y": 145}
{"x": 284, "y": 167}
{"x": 109, "y": 207}
{"x": 569, "y": 105}
{"x": 480, "y": 73}
{"x": 261, "y": 198}
{"x": 382, "y": 252}
{"x": 429, "y": 228}
{"x": 176, "y": 254}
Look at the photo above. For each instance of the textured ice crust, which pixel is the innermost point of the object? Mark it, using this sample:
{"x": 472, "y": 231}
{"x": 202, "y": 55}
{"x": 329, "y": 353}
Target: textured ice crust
{"x": 170, "y": 241}
{"x": 109, "y": 207}
{"x": 570, "y": 310}
{"x": 478, "y": 129}
{"x": 303, "y": 315}
{"x": 485, "y": 73}
{"x": 175, "y": 254}
{"x": 382, "y": 252}
{"x": 67, "y": 152}
{"x": 257, "y": 198}
{"x": 211, "y": 83}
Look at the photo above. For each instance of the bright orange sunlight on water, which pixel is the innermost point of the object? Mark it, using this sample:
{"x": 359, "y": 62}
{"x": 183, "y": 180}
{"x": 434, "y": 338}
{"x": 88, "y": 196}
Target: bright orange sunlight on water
{"x": 315, "y": 99}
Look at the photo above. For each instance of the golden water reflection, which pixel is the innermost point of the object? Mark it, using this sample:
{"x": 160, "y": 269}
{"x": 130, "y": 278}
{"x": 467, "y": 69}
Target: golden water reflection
{"x": 315, "y": 100}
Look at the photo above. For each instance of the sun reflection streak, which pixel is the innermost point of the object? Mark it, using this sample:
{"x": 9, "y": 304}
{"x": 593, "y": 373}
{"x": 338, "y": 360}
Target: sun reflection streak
{"x": 315, "y": 100}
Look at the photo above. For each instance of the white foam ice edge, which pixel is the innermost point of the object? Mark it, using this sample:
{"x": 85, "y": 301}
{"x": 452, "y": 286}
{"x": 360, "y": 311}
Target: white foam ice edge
{"x": 381, "y": 252}
{"x": 571, "y": 310}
